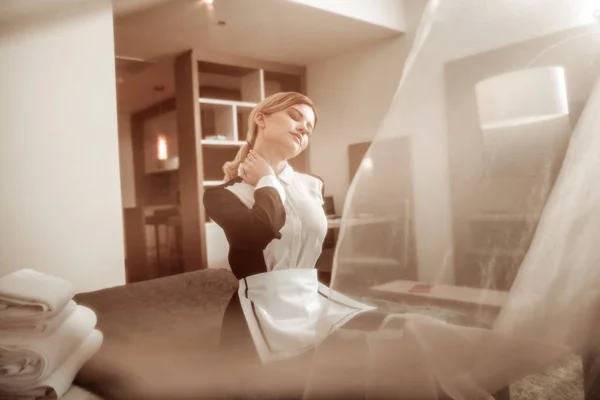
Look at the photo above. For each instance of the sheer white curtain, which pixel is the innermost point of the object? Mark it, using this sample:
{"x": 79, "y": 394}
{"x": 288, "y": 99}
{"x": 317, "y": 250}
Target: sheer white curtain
{"x": 512, "y": 258}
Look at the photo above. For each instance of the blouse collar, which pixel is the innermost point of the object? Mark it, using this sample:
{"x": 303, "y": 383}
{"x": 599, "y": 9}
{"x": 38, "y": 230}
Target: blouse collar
{"x": 286, "y": 174}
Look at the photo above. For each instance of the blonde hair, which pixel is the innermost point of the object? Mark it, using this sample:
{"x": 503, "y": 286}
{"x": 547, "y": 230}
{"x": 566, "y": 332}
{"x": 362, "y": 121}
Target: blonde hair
{"x": 272, "y": 104}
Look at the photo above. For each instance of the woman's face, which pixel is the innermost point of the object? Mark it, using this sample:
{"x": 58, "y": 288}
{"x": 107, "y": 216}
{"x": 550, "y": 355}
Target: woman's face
{"x": 290, "y": 129}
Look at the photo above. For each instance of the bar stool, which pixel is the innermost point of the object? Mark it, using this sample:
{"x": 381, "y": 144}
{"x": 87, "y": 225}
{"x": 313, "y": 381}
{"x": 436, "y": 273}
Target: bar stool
{"x": 160, "y": 218}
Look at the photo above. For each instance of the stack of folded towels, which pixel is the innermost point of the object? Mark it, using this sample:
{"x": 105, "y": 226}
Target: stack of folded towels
{"x": 45, "y": 337}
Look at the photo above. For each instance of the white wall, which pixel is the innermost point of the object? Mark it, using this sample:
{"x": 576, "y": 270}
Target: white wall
{"x": 126, "y": 161}
{"x": 386, "y": 13}
{"x": 353, "y": 92}
{"x": 163, "y": 124}
{"x": 60, "y": 208}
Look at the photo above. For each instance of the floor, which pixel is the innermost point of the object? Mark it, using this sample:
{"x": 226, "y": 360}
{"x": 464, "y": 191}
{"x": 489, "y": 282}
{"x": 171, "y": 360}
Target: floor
{"x": 562, "y": 381}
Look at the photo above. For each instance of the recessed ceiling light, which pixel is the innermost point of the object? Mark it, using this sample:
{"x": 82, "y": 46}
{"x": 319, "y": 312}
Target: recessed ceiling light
{"x": 208, "y": 1}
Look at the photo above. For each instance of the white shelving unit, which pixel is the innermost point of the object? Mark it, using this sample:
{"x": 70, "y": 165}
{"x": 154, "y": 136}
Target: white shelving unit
{"x": 225, "y": 110}
{"x": 230, "y": 120}
{"x": 224, "y": 120}
{"x": 228, "y": 94}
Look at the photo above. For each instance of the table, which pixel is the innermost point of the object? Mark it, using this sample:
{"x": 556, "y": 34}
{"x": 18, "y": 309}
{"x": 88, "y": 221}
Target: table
{"x": 486, "y": 302}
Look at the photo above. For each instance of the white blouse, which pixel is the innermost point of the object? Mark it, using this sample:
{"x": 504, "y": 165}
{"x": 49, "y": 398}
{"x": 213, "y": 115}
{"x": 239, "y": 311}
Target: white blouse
{"x": 288, "y": 311}
{"x": 306, "y": 223}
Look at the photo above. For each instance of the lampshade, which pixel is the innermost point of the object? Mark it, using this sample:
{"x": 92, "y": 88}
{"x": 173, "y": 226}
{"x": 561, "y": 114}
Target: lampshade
{"x": 522, "y": 97}
{"x": 523, "y": 150}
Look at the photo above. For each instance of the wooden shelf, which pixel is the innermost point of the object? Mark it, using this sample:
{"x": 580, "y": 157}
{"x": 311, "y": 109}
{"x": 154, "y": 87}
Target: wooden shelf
{"x": 371, "y": 220}
{"x": 502, "y": 216}
{"x": 513, "y": 253}
{"x": 222, "y": 143}
{"x": 370, "y": 261}
{"x": 220, "y": 102}
{"x": 455, "y": 294}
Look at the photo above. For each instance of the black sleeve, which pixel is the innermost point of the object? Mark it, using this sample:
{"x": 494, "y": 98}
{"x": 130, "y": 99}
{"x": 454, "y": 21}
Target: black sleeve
{"x": 246, "y": 228}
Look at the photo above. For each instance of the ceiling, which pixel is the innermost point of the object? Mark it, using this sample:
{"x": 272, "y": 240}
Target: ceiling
{"x": 142, "y": 84}
{"x": 274, "y": 30}
{"x": 475, "y": 28}
{"x": 149, "y": 33}
{"x": 122, "y": 8}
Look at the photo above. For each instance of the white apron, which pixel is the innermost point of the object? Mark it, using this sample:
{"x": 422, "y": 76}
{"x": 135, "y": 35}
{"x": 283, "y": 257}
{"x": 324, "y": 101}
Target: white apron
{"x": 289, "y": 311}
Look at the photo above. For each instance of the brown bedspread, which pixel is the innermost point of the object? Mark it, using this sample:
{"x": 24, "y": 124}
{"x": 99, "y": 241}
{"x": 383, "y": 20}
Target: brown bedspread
{"x": 155, "y": 332}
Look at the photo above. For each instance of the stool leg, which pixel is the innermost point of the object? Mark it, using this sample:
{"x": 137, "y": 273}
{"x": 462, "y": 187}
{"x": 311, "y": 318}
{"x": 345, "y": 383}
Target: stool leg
{"x": 157, "y": 244}
{"x": 170, "y": 249}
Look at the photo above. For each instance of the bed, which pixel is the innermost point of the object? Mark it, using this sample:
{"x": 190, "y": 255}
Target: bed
{"x": 160, "y": 336}
{"x": 151, "y": 329}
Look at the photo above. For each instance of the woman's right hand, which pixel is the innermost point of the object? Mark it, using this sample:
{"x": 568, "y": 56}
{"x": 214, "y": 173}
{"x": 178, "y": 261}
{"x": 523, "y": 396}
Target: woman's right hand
{"x": 254, "y": 168}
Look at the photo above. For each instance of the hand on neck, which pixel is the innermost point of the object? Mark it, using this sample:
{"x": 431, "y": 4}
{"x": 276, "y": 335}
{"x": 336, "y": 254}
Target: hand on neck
{"x": 276, "y": 162}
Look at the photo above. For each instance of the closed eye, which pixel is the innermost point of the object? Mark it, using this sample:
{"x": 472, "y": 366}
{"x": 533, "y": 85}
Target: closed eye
{"x": 297, "y": 116}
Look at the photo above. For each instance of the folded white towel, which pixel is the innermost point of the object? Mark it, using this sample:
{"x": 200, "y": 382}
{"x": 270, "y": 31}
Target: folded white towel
{"x": 25, "y": 361}
{"x": 31, "y": 294}
{"x": 35, "y": 327}
{"x": 58, "y": 383}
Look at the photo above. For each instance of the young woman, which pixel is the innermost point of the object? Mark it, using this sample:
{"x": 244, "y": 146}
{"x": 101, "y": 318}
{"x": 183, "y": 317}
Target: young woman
{"x": 275, "y": 224}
